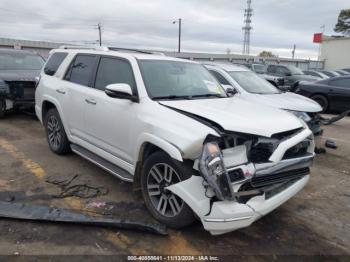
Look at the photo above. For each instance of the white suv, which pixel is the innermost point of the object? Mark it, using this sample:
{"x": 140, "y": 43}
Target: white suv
{"x": 168, "y": 126}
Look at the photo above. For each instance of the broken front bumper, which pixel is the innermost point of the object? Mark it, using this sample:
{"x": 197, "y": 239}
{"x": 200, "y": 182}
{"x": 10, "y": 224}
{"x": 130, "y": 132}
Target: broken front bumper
{"x": 272, "y": 184}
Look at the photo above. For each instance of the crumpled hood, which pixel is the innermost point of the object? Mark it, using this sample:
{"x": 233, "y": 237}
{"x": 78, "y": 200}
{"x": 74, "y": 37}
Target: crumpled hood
{"x": 288, "y": 101}
{"x": 238, "y": 115}
{"x": 19, "y": 75}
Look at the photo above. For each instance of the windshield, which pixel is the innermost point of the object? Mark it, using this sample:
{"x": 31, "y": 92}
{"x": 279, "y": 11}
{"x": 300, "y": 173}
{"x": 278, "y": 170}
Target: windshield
{"x": 260, "y": 69}
{"x": 20, "y": 62}
{"x": 295, "y": 71}
{"x": 252, "y": 83}
{"x": 178, "y": 80}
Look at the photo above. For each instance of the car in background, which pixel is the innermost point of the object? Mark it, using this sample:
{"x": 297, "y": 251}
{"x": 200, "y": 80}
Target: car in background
{"x": 342, "y": 72}
{"x": 19, "y": 72}
{"x": 315, "y": 74}
{"x": 330, "y": 73}
{"x": 291, "y": 74}
{"x": 261, "y": 70}
{"x": 257, "y": 90}
{"x": 332, "y": 94}
{"x": 346, "y": 70}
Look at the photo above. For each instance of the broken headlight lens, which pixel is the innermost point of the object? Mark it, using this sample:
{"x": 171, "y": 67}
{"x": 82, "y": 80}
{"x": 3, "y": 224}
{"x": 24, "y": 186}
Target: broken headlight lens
{"x": 301, "y": 115}
{"x": 213, "y": 170}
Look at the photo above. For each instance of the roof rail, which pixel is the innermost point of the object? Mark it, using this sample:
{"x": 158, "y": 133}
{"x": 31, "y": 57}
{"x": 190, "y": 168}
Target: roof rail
{"x": 135, "y": 50}
{"x": 99, "y": 48}
{"x": 105, "y": 48}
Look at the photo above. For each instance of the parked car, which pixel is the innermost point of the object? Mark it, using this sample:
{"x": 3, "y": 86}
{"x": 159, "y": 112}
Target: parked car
{"x": 342, "y": 72}
{"x": 291, "y": 74}
{"x": 332, "y": 94}
{"x": 346, "y": 69}
{"x": 315, "y": 74}
{"x": 167, "y": 125}
{"x": 330, "y": 73}
{"x": 254, "y": 89}
{"x": 19, "y": 71}
{"x": 261, "y": 70}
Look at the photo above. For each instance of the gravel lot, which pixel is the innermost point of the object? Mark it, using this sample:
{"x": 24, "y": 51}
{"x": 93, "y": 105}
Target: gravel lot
{"x": 315, "y": 222}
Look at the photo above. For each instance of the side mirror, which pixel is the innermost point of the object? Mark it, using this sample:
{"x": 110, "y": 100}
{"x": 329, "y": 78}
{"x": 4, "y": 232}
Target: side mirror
{"x": 231, "y": 91}
{"x": 288, "y": 74}
{"x": 122, "y": 91}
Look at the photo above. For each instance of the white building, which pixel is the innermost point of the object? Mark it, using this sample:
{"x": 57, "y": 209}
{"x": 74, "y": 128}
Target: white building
{"x": 335, "y": 51}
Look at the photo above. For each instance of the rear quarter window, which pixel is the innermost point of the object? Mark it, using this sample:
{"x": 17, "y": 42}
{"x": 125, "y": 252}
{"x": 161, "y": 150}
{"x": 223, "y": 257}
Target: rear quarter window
{"x": 54, "y": 63}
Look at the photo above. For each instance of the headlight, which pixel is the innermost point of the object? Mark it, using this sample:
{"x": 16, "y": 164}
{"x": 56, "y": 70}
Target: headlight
{"x": 302, "y": 115}
{"x": 213, "y": 170}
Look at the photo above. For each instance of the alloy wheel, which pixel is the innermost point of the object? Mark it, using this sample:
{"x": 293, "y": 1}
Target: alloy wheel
{"x": 164, "y": 201}
{"x": 54, "y": 132}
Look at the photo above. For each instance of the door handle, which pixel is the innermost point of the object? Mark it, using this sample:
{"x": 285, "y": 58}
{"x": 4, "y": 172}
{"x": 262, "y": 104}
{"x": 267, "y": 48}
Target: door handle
{"x": 60, "y": 91}
{"x": 91, "y": 101}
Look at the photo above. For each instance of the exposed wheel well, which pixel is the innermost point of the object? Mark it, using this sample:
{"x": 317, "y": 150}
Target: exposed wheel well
{"x": 147, "y": 149}
{"x": 45, "y": 108}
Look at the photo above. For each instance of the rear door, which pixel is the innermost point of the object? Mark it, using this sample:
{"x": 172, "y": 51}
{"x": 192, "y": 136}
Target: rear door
{"x": 78, "y": 82}
{"x": 109, "y": 121}
{"x": 339, "y": 93}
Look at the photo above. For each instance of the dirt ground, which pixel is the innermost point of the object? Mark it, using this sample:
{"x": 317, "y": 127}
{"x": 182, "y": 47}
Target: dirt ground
{"x": 314, "y": 222}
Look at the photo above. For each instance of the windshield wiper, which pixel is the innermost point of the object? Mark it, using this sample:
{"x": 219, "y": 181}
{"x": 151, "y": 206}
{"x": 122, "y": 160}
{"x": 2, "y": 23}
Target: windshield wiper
{"x": 171, "y": 97}
{"x": 209, "y": 95}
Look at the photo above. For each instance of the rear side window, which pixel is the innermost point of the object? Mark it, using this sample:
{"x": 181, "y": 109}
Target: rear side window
{"x": 222, "y": 80}
{"x": 81, "y": 70}
{"x": 114, "y": 71}
{"x": 54, "y": 63}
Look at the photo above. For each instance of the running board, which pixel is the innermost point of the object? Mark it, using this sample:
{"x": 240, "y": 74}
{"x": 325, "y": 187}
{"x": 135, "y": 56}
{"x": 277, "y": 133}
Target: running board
{"x": 104, "y": 164}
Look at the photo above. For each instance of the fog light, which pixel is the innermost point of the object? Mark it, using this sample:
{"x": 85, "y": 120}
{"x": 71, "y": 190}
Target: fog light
{"x": 214, "y": 172}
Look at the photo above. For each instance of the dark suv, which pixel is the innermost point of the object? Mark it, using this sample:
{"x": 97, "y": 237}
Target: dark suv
{"x": 19, "y": 71}
{"x": 291, "y": 74}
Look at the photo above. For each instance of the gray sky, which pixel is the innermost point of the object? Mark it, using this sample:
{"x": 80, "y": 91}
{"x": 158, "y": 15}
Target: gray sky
{"x": 208, "y": 26}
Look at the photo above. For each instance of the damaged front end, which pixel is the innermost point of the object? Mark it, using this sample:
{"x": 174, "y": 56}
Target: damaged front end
{"x": 243, "y": 177}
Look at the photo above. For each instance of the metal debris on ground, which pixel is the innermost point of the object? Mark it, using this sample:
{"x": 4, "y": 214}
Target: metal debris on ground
{"x": 329, "y": 121}
{"x": 53, "y": 214}
{"x": 72, "y": 187}
{"x": 331, "y": 144}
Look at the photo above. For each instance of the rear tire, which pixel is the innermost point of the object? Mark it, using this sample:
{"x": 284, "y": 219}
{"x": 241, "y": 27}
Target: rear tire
{"x": 2, "y": 108}
{"x": 160, "y": 171}
{"x": 55, "y": 133}
{"x": 322, "y": 101}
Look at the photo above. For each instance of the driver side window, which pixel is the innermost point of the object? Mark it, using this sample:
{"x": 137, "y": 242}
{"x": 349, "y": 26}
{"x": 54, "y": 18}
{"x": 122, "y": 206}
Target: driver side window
{"x": 282, "y": 71}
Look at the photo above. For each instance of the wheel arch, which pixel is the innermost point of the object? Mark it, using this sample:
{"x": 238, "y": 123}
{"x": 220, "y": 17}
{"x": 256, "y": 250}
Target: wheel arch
{"x": 146, "y": 147}
{"x": 49, "y": 103}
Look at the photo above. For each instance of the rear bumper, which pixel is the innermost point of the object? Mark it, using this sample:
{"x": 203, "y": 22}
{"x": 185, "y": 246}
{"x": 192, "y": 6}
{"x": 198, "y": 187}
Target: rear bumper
{"x": 228, "y": 216}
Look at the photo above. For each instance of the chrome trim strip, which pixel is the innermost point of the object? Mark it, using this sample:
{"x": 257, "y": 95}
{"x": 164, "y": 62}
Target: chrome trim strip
{"x": 284, "y": 165}
{"x": 225, "y": 220}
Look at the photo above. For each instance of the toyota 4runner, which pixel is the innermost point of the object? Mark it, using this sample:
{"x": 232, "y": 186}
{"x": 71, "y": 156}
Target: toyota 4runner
{"x": 167, "y": 125}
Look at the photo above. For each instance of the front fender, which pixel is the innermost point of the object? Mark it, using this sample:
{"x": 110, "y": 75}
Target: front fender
{"x": 167, "y": 147}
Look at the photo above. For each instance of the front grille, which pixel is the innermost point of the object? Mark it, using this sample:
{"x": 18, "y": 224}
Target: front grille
{"x": 260, "y": 181}
{"x": 298, "y": 150}
{"x": 261, "y": 153}
{"x": 22, "y": 90}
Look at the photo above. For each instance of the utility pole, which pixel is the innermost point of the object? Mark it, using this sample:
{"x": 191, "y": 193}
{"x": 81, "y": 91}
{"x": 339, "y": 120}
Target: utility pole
{"x": 180, "y": 28}
{"x": 293, "y": 52}
{"x": 248, "y": 13}
{"x": 99, "y": 27}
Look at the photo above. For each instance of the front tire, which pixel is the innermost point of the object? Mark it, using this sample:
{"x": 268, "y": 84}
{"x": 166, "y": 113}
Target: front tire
{"x": 160, "y": 171}
{"x": 55, "y": 133}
